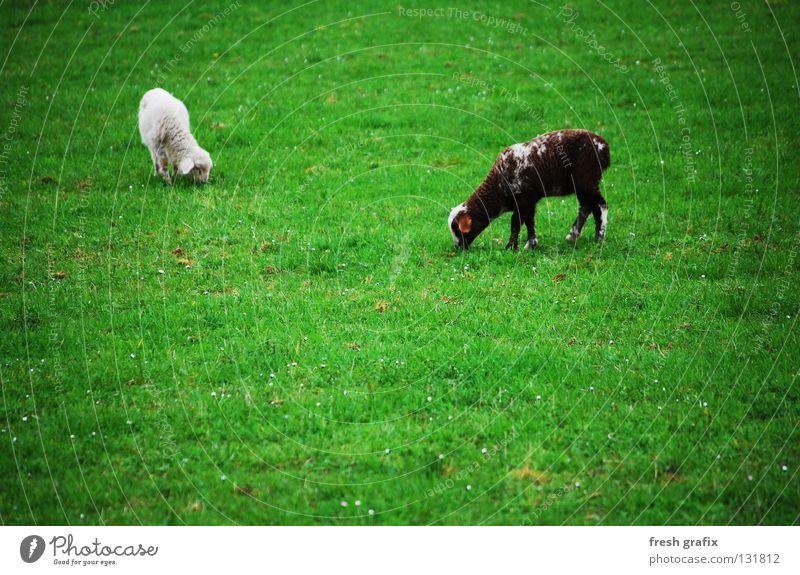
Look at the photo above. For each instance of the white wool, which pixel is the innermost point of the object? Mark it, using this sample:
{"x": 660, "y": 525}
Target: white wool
{"x": 453, "y": 214}
{"x": 520, "y": 151}
{"x": 165, "y": 130}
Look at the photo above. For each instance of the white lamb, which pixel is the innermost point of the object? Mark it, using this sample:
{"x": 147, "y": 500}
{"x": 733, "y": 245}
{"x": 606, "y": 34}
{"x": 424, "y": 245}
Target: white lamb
{"x": 164, "y": 126}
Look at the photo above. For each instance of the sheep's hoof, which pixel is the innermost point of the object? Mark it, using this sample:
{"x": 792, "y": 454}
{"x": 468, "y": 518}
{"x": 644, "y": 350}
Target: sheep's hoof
{"x": 572, "y": 237}
{"x": 512, "y": 246}
{"x": 600, "y": 239}
{"x": 532, "y": 243}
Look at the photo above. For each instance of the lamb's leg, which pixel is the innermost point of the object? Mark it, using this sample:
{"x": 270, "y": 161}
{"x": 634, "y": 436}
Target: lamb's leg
{"x": 600, "y": 213}
{"x": 577, "y": 226}
{"x": 531, "y": 227}
{"x": 513, "y": 240}
{"x": 163, "y": 166}
{"x": 155, "y": 161}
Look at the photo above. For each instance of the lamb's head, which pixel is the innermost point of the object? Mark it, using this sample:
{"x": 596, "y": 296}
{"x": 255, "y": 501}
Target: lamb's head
{"x": 196, "y": 164}
{"x": 465, "y": 225}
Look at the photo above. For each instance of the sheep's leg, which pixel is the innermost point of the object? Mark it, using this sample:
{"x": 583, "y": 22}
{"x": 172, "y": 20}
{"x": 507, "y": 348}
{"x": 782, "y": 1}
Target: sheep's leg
{"x": 155, "y": 161}
{"x": 577, "y": 227}
{"x": 600, "y": 213}
{"x": 513, "y": 240}
{"x": 163, "y": 166}
{"x": 531, "y": 227}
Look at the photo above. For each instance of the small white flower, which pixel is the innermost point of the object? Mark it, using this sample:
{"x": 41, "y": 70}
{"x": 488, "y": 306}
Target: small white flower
{"x": 343, "y": 504}
{"x": 469, "y": 487}
{"x": 223, "y": 477}
{"x": 749, "y": 477}
{"x": 538, "y": 398}
{"x": 213, "y": 394}
{"x": 358, "y": 503}
{"x": 388, "y": 451}
{"x": 784, "y": 468}
{"x": 430, "y": 398}
{"x": 577, "y": 485}
{"x": 484, "y": 450}
{"x": 25, "y": 418}
{"x": 371, "y": 512}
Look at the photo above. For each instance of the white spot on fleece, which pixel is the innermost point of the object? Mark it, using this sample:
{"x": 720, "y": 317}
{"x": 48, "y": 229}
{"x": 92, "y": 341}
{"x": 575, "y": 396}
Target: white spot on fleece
{"x": 520, "y": 151}
{"x": 600, "y": 146}
{"x": 453, "y": 214}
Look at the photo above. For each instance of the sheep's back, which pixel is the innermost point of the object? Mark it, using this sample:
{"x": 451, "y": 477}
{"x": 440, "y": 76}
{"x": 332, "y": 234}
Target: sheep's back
{"x": 553, "y": 163}
{"x": 159, "y": 111}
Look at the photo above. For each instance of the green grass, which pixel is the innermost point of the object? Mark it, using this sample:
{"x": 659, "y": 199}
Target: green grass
{"x": 650, "y": 381}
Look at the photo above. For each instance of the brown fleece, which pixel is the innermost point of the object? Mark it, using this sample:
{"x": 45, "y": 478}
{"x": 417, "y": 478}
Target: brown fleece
{"x": 554, "y": 164}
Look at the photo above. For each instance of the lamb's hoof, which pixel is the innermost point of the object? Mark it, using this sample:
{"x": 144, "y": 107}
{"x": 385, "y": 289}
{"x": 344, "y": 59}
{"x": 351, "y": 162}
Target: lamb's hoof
{"x": 512, "y": 246}
{"x": 600, "y": 239}
{"x": 530, "y": 244}
{"x": 572, "y": 238}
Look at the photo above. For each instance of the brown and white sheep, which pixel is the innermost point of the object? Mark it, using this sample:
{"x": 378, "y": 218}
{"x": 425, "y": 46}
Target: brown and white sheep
{"x": 558, "y": 163}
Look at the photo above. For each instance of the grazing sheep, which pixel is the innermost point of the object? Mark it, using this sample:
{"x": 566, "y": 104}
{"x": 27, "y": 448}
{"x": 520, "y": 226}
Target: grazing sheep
{"x": 164, "y": 126}
{"x": 554, "y": 164}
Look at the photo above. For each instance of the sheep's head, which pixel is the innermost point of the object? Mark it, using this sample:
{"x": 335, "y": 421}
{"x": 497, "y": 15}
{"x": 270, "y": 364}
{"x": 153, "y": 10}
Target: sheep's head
{"x": 197, "y": 165}
{"x": 465, "y": 226}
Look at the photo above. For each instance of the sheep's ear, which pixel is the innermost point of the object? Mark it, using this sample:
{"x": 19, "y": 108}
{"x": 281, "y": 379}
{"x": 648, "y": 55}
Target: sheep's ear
{"x": 464, "y": 223}
{"x": 185, "y": 166}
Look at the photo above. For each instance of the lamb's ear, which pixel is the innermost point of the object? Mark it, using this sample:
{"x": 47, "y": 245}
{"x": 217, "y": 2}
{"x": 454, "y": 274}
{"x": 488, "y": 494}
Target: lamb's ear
{"x": 185, "y": 166}
{"x": 464, "y": 223}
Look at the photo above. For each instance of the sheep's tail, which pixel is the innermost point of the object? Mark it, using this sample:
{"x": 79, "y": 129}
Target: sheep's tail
{"x": 603, "y": 151}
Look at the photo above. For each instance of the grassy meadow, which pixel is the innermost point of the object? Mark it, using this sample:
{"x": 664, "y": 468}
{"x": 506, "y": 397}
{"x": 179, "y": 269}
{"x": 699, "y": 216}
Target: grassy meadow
{"x": 298, "y": 342}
